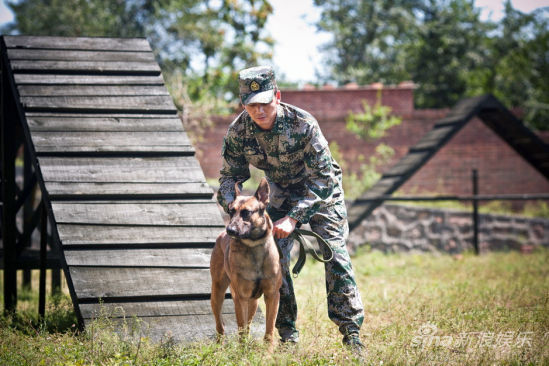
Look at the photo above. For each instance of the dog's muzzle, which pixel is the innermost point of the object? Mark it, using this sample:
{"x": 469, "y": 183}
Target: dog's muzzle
{"x": 232, "y": 231}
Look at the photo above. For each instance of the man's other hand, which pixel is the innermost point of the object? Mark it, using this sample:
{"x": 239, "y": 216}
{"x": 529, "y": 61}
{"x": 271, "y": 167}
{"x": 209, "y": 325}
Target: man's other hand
{"x": 284, "y": 227}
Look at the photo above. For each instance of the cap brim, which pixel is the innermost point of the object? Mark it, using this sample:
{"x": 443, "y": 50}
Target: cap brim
{"x": 261, "y": 97}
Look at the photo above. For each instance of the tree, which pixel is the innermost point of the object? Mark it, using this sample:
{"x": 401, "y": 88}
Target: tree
{"x": 209, "y": 41}
{"x": 447, "y": 45}
{"x": 367, "y": 39}
{"x": 516, "y": 65}
{"x": 445, "y": 48}
{"x": 198, "y": 42}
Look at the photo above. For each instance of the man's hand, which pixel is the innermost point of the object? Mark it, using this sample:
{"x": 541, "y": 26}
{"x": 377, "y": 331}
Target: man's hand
{"x": 284, "y": 227}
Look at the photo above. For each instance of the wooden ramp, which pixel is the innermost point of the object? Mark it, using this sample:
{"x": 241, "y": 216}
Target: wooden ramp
{"x": 127, "y": 199}
{"x": 492, "y": 113}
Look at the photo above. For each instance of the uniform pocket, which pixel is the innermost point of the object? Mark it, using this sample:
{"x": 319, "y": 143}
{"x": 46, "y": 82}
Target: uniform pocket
{"x": 255, "y": 157}
{"x": 294, "y": 158}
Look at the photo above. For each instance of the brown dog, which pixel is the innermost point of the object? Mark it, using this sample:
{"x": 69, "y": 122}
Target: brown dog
{"x": 246, "y": 258}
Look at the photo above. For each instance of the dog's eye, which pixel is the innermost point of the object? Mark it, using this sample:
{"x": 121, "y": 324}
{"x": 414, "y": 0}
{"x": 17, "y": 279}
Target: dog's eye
{"x": 245, "y": 214}
{"x": 232, "y": 211}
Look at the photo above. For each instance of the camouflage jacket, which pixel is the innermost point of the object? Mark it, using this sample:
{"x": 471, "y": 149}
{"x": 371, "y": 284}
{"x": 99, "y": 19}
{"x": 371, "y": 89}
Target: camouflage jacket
{"x": 294, "y": 155}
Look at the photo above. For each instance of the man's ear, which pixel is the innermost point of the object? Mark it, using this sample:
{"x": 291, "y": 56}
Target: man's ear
{"x": 236, "y": 189}
{"x": 262, "y": 193}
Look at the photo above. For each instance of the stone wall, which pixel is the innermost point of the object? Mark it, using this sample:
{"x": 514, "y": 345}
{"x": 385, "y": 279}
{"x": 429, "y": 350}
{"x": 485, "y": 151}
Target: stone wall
{"x": 396, "y": 228}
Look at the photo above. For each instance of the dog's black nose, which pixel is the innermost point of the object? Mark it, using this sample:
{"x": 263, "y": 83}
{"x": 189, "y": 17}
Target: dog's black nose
{"x": 231, "y": 230}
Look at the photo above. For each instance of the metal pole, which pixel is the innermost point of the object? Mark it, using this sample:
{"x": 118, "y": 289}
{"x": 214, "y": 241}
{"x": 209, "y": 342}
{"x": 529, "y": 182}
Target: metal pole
{"x": 475, "y": 211}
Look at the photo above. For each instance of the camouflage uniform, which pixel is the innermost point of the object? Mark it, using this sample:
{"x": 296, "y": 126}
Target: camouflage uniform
{"x": 305, "y": 183}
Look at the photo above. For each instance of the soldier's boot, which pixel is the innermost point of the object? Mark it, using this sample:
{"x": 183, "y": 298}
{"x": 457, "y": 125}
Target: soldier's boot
{"x": 352, "y": 341}
{"x": 289, "y": 336}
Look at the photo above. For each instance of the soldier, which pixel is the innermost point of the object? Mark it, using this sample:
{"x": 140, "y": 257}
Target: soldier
{"x": 305, "y": 182}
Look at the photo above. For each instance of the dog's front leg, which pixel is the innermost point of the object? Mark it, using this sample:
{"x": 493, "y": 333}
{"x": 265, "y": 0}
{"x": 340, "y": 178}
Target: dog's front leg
{"x": 218, "y": 295}
{"x": 271, "y": 306}
{"x": 220, "y": 283}
{"x": 252, "y": 308}
{"x": 241, "y": 312}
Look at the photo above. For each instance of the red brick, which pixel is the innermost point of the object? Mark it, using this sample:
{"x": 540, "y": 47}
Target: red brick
{"x": 501, "y": 169}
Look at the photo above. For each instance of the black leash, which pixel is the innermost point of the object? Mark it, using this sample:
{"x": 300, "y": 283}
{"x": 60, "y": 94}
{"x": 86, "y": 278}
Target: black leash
{"x": 299, "y": 235}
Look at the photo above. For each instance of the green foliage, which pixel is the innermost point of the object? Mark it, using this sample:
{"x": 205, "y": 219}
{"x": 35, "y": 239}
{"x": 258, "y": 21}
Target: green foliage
{"x": 515, "y": 65}
{"x": 493, "y": 294}
{"x": 206, "y": 42}
{"x": 210, "y": 41}
{"x": 369, "y": 125}
{"x": 74, "y": 18}
{"x": 373, "y": 122}
{"x": 367, "y": 39}
{"x": 448, "y": 45}
{"x": 445, "y": 48}
{"x": 356, "y": 183}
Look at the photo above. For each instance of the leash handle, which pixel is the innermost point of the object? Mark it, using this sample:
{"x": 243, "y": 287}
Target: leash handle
{"x": 299, "y": 234}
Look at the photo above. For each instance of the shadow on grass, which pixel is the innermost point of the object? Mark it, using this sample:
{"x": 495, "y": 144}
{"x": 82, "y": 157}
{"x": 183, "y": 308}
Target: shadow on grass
{"x": 59, "y": 315}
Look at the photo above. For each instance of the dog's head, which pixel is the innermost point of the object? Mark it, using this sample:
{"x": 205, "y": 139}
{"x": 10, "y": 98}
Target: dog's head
{"x": 249, "y": 221}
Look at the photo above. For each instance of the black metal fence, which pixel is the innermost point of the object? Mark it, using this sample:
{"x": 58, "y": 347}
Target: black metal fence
{"x": 475, "y": 198}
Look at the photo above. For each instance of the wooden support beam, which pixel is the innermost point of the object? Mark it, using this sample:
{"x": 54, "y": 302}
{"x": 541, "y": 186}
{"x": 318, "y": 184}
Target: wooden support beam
{"x": 29, "y": 179}
{"x": 8, "y": 134}
{"x": 43, "y": 253}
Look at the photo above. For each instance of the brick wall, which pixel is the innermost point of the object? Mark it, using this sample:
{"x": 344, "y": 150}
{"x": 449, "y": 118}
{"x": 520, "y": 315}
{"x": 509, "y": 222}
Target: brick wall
{"x": 501, "y": 170}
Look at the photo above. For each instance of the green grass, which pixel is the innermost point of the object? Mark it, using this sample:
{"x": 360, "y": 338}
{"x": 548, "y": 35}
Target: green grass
{"x": 420, "y": 309}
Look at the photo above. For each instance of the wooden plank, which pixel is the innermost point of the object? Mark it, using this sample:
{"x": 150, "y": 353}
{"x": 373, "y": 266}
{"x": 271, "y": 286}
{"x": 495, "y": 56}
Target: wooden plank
{"x": 90, "y": 90}
{"x": 118, "y": 103}
{"x": 173, "y": 258}
{"x": 434, "y": 138}
{"x": 175, "y": 169}
{"x": 408, "y": 163}
{"x": 80, "y": 55}
{"x": 104, "y": 124}
{"x": 153, "y": 308}
{"x": 183, "y": 328}
{"x": 137, "y": 236}
{"x": 96, "y": 67}
{"x": 108, "y": 282}
{"x": 384, "y": 185}
{"x": 58, "y": 190}
{"x": 142, "y": 200}
{"x": 163, "y": 214}
{"x": 22, "y": 79}
{"x": 68, "y": 142}
{"x": 78, "y": 43}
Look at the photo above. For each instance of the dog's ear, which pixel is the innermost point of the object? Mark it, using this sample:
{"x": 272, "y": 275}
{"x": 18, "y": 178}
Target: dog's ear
{"x": 262, "y": 193}
{"x": 236, "y": 189}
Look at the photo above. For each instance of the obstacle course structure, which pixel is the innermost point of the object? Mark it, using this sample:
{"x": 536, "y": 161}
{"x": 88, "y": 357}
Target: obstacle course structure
{"x": 130, "y": 212}
{"x": 491, "y": 112}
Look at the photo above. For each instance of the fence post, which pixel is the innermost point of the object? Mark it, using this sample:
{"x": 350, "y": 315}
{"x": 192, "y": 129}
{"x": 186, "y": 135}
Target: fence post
{"x": 475, "y": 211}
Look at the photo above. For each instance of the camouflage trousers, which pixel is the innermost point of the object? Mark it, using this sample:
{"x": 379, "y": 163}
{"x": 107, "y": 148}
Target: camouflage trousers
{"x": 345, "y": 307}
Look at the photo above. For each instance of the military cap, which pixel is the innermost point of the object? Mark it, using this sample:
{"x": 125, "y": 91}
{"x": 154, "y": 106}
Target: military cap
{"x": 257, "y": 84}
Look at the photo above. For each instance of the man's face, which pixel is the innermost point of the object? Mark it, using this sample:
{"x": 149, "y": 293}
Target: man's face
{"x": 264, "y": 114}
